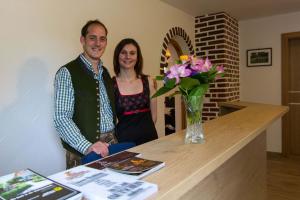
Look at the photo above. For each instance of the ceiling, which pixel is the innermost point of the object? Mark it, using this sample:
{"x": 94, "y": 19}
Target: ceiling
{"x": 239, "y": 9}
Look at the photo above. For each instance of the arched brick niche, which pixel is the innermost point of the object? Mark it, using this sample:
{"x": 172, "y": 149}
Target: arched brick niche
{"x": 182, "y": 44}
{"x": 173, "y": 32}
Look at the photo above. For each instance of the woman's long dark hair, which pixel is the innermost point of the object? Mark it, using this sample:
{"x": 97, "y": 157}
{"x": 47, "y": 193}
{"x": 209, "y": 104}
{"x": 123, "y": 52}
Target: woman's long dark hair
{"x": 138, "y": 68}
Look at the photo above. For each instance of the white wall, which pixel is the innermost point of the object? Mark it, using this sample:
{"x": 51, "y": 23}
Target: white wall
{"x": 263, "y": 84}
{"x": 37, "y": 37}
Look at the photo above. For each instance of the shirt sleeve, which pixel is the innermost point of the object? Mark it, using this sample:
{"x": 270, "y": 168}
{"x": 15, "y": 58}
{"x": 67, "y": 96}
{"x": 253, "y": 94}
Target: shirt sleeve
{"x": 64, "y": 110}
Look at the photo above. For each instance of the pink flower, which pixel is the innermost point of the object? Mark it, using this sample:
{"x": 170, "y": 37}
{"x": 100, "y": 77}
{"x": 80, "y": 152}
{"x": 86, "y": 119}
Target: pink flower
{"x": 220, "y": 69}
{"x": 177, "y": 71}
{"x": 194, "y": 68}
{"x": 197, "y": 64}
{"x": 206, "y": 66}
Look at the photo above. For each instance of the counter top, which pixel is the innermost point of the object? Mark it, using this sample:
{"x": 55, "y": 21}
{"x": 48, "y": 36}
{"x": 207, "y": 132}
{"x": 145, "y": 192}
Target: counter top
{"x": 188, "y": 164}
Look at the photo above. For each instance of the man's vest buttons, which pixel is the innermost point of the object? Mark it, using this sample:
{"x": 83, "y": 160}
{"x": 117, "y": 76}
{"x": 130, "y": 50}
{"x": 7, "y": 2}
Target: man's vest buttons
{"x": 97, "y": 137}
{"x": 98, "y": 131}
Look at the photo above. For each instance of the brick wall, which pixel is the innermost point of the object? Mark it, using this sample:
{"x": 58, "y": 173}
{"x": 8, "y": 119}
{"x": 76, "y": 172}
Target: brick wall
{"x": 216, "y": 37}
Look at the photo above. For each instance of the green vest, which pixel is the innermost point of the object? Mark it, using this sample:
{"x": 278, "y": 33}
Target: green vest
{"x": 87, "y": 101}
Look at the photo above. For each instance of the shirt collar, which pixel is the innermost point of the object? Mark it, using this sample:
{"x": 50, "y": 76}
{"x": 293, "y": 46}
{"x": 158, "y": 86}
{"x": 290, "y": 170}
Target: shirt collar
{"x": 88, "y": 64}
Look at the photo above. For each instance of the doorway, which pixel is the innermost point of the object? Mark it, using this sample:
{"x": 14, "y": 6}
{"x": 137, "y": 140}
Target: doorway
{"x": 174, "y": 112}
{"x": 291, "y": 93}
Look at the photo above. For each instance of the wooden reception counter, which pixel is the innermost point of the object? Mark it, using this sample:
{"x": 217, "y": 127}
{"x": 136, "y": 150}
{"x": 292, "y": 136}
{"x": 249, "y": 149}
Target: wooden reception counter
{"x": 231, "y": 164}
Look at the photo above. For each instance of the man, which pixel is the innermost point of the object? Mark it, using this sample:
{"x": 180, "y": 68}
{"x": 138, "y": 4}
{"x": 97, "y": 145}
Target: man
{"x": 84, "y": 101}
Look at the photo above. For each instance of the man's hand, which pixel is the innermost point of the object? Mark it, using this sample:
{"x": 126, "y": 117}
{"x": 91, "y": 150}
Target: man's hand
{"x": 99, "y": 148}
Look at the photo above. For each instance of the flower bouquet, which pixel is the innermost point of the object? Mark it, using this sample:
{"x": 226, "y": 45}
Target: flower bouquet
{"x": 192, "y": 76}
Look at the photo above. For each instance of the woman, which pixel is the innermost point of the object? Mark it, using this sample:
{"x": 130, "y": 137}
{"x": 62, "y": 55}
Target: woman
{"x": 136, "y": 112}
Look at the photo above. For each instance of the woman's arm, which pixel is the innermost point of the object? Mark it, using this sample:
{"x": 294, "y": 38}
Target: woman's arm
{"x": 153, "y": 102}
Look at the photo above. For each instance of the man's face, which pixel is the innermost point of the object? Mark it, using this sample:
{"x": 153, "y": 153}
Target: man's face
{"x": 94, "y": 43}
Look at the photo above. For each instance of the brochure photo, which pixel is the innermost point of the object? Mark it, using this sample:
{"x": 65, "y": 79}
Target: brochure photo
{"x": 135, "y": 165}
{"x": 115, "y": 158}
{"x": 26, "y": 184}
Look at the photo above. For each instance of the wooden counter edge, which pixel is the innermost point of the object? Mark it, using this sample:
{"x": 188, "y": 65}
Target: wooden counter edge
{"x": 210, "y": 167}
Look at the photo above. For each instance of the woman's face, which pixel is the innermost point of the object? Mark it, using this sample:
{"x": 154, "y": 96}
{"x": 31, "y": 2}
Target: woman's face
{"x": 128, "y": 56}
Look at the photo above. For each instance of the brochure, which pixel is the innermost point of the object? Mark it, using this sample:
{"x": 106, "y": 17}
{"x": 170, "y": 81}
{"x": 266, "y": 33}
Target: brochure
{"x": 27, "y": 184}
{"x": 103, "y": 184}
{"x": 129, "y": 163}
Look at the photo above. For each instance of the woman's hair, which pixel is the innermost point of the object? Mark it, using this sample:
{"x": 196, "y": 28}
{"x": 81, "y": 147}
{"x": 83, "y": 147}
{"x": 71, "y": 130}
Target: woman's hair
{"x": 138, "y": 68}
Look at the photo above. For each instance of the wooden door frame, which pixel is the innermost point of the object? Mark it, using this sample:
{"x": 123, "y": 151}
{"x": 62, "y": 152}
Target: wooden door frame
{"x": 285, "y": 73}
{"x": 179, "y": 53}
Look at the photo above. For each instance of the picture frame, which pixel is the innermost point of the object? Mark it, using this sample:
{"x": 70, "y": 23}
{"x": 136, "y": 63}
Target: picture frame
{"x": 259, "y": 57}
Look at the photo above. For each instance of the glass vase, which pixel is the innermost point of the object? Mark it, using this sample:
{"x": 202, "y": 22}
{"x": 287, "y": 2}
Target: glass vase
{"x": 194, "y": 131}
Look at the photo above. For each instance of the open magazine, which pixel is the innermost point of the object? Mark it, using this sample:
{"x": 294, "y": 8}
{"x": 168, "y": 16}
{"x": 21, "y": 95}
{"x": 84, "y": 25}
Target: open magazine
{"x": 103, "y": 184}
{"x": 129, "y": 163}
{"x": 26, "y": 184}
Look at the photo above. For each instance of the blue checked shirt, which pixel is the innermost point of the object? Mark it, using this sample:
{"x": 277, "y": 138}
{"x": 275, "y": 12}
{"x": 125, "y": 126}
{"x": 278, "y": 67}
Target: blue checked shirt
{"x": 64, "y": 108}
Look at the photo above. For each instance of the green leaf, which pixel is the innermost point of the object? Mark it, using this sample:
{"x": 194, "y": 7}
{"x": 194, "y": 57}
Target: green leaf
{"x": 159, "y": 78}
{"x": 170, "y": 83}
{"x": 212, "y": 76}
{"x": 178, "y": 62}
{"x": 194, "y": 102}
{"x": 196, "y": 96}
{"x": 188, "y": 83}
{"x": 183, "y": 92}
{"x": 200, "y": 90}
{"x": 161, "y": 91}
{"x": 202, "y": 77}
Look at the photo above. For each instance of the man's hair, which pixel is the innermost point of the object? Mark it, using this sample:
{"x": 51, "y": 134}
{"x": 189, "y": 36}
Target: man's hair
{"x": 85, "y": 28}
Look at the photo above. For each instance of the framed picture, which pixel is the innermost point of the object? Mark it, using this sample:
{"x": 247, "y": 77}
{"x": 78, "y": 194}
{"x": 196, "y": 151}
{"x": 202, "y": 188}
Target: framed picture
{"x": 259, "y": 57}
